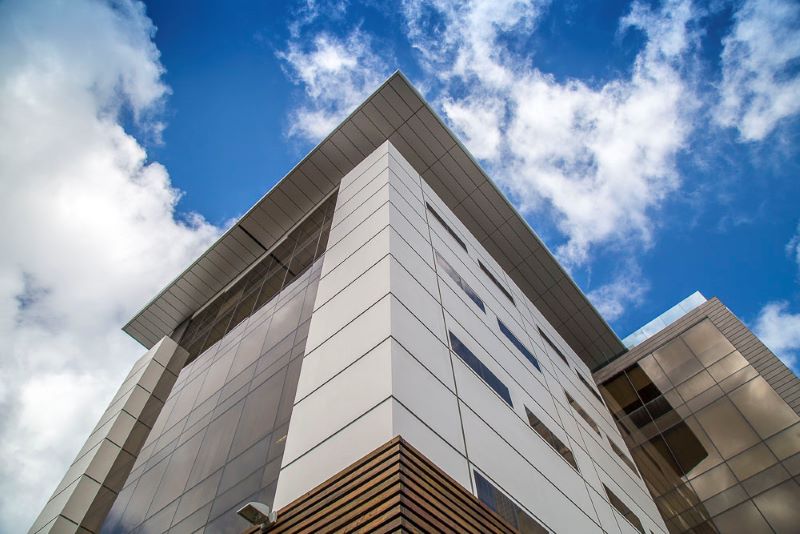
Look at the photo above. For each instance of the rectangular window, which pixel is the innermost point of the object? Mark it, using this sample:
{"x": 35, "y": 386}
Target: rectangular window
{"x": 622, "y": 456}
{"x": 445, "y": 265}
{"x": 551, "y": 438}
{"x": 476, "y": 365}
{"x": 517, "y": 343}
{"x": 502, "y": 289}
{"x": 589, "y": 387}
{"x": 582, "y": 413}
{"x": 505, "y": 507}
{"x": 553, "y": 346}
{"x": 622, "y": 508}
{"x": 446, "y": 227}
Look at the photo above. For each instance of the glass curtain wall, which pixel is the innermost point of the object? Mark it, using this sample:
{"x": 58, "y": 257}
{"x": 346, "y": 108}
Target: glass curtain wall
{"x": 262, "y": 282}
{"x": 718, "y": 448}
{"x": 218, "y": 441}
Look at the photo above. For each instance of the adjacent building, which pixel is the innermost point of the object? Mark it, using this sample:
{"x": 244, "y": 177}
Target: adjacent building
{"x": 711, "y": 417}
{"x": 383, "y": 344}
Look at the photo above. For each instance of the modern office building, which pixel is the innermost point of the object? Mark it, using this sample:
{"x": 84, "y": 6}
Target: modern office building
{"x": 711, "y": 417}
{"x": 380, "y": 344}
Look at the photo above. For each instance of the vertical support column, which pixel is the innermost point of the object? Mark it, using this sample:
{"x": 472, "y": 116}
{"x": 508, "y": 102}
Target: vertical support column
{"x": 342, "y": 408}
{"x": 85, "y": 495}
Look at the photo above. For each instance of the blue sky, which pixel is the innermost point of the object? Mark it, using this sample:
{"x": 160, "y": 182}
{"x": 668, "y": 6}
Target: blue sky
{"x": 652, "y": 145}
{"x": 722, "y": 229}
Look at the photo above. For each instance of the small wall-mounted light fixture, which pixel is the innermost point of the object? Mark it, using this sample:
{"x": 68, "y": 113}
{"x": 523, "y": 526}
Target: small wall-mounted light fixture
{"x": 258, "y": 514}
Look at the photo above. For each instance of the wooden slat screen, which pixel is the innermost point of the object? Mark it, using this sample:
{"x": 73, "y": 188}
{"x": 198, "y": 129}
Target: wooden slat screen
{"x": 392, "y": 489}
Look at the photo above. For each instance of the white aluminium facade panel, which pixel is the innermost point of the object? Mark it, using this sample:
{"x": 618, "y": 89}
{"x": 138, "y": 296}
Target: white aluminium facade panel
{"x": 380, "y": 362}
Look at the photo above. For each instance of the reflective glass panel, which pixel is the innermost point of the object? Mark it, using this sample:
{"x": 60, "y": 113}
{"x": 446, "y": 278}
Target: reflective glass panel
{"x": 763, "y": 408}
{"x": 727, "y": 428}
{"x": 780, "y": 507}
{"x": 713, "y": 442}
{"x": 707, "y": 343}
{"x": 224, "y": 425}
{"x": 677, "y": 361}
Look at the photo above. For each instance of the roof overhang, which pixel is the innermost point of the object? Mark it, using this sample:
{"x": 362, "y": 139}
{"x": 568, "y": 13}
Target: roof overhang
{"x": 395, "y": 112}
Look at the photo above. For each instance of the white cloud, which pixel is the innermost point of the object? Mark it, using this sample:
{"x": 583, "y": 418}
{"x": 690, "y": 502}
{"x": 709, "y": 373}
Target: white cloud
{"x": 760, "y": 82}
{"x": 90, "y": 228}
{"x": 779, "y": 329}
{"x": 627, "y": 289}
{"x": 459, "y": 39}
{"x": 601, "y": 158}
{"x": 479, "y": 122}
{"x": 337, "y": 74}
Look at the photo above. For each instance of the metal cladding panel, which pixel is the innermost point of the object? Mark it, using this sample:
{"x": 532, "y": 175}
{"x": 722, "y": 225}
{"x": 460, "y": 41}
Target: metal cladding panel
{"x": 397, "y": 113}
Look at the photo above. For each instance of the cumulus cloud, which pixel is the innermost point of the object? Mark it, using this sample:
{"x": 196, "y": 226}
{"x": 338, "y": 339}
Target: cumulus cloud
{"x": 598, "y": 160}
{"x": 91, "y": 229}
{"x": 460, "y": 39}
{"x": 336, "y": 74}
{"x": 779, "y": 329}
{"x": 601, "y": 159}
{"x": 760, "y": 81}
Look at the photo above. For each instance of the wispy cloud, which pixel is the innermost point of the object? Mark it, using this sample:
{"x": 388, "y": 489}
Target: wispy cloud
{"x": 91, "y": 230}
{"x": 793, "y": 248}
{"x": 336, "y": 74}
{"x": 760, "y": 80}
{"x": 627, "y": 289}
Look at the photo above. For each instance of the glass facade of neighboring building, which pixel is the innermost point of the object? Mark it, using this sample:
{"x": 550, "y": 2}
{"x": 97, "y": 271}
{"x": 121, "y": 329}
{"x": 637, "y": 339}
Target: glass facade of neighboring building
{"x": 718, "y": 447}
{"x": 218, "y": 442}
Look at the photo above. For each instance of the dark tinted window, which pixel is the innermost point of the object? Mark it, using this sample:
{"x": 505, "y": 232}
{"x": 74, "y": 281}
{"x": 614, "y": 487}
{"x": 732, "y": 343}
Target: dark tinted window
{"x": 470, "y": 359}
{"x": 505, "y": 507}
{"x": 623, "y": 509}
{"x": 551, "y": 438}
{"x": 589, "y": 387}
{"x": 502, "y": 289}
{"x": 577, "y": 407}
{"x": 446, "y": 226}
{"x": 517, "y": 343}
{"x": 445, "y": 265}
{"x": 622, "y": 456}
{"x": 553, "y": 346}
